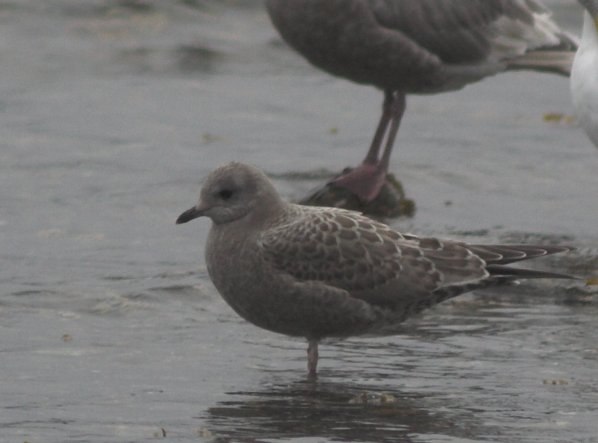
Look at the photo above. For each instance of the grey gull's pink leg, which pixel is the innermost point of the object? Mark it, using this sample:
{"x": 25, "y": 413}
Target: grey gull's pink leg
{"x": 367, "y": 179}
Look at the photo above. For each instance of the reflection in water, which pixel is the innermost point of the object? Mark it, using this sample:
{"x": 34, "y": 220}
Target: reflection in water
{"x": 330, "y": 410}
{"x": 456, "y": 374}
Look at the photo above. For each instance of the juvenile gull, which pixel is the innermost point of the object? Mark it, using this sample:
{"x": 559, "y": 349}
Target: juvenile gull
{"x": 584, "y": 74}
{"x": 417, "y": 47}
{"x": 326, "y": 272}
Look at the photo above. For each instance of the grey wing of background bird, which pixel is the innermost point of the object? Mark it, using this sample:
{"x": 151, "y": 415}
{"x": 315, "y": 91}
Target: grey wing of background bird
{"x": 465, "y": 32}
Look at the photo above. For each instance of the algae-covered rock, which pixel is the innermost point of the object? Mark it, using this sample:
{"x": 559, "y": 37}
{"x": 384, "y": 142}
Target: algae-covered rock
{"x": 390, "y": 203}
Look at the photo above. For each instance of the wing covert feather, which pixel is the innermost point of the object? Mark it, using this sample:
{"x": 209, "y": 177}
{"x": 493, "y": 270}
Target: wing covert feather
{"x": 350, "y": 252}
{"x": 336, "y": 248}
{"x": 462, "y": 31}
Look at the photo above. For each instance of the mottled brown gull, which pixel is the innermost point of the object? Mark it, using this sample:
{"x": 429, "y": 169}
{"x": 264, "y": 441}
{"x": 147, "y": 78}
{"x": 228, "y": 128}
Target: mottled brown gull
{"x": 417, "y": 47}
{"x": 326, "y": 272}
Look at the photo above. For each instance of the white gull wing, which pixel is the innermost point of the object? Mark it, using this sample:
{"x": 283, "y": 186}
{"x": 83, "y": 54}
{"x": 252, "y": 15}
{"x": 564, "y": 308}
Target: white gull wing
{"x": 584, "y": 79}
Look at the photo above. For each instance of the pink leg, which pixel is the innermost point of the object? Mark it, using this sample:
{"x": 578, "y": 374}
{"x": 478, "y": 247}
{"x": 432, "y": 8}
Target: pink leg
{"x": 398, "y": 109}
{"x": 367, "y": 179}
{"x": 312, "y": 359}
{"x": 372, "y": 155}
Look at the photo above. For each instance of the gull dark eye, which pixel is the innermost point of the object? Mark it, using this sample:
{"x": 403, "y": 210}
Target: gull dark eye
{"x": 225, "y": 194}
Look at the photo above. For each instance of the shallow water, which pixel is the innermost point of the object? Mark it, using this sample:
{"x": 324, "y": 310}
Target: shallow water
{"x": 110, "y": 331}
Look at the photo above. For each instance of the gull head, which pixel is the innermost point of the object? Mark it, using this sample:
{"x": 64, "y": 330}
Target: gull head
{"x": 232, "y": 192}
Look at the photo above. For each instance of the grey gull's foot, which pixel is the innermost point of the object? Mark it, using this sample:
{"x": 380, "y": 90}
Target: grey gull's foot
{"x": 367, "y": 180}
{"x": 364, "y": 181}
{"x": 391, "y": 200}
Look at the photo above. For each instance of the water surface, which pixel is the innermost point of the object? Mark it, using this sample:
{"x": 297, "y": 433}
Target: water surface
{"x": 110, "y": 331}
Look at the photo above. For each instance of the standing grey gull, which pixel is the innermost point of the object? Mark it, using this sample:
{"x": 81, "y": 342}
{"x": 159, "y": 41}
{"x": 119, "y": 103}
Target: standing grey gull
{"x": 584, "y": 74}
{"x": 417, "y": 47}
{"x": 319, "y": 272}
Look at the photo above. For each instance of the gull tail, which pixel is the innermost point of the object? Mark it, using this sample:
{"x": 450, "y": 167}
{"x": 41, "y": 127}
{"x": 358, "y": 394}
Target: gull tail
{"x": 515, "y": 273}
{"x": 505, "y": 254}
{"x": 497, "y": 257}
{"x": 555, "y": 62}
